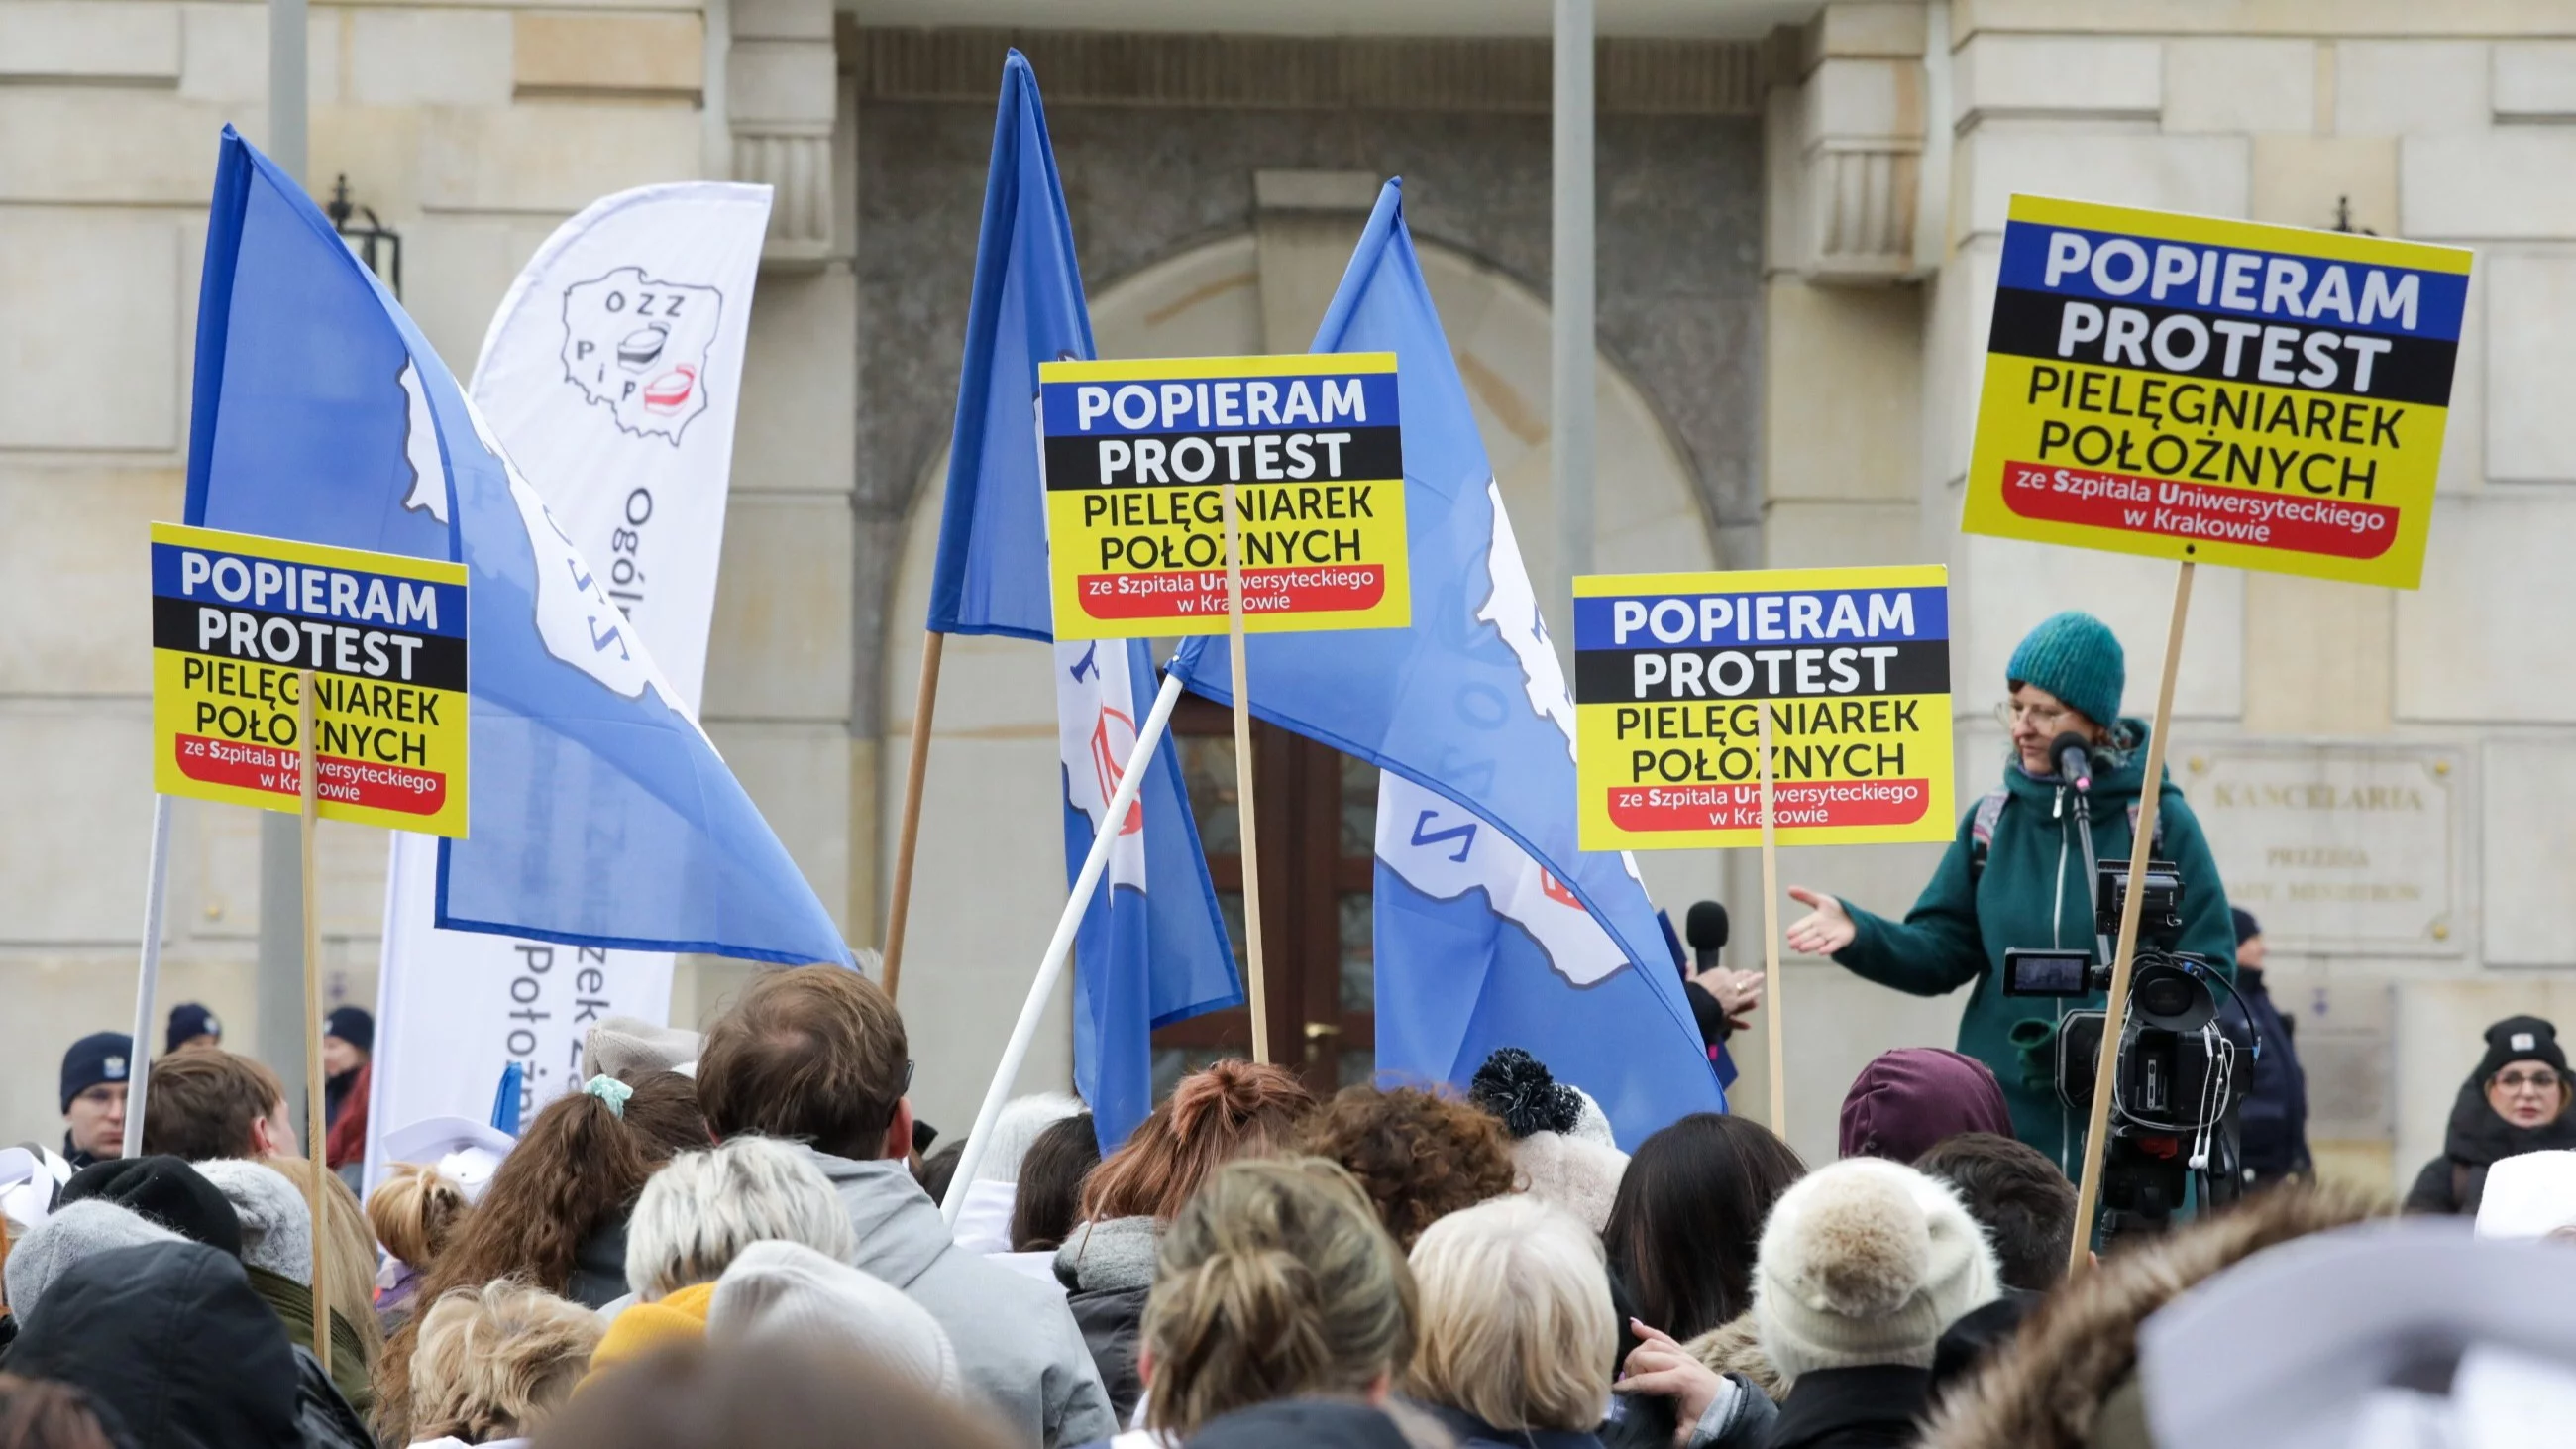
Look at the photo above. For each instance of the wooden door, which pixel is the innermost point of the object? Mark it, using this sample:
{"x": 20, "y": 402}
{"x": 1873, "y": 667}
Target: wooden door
{"x": 1318, "y": 817}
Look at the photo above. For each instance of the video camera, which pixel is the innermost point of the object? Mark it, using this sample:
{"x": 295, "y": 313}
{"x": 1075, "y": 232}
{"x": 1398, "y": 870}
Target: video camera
{"x": 2181, "y": 1065}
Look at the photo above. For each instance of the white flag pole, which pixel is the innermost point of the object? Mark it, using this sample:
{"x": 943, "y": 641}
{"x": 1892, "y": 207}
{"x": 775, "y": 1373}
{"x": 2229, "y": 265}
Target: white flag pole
{"x": 1060, "y": 947}
{"x": 156, "y": 894}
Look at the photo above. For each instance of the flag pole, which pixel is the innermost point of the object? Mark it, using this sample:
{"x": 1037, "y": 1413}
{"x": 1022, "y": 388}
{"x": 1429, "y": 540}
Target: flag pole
{"x": 1771, "y": 935}
{"x": 317, "y": 1119}
{"x": 1060, "y": 946}
{"x": 1254, "y": 983}
{"x": 2088, "y": 1193}
{"x": 899, "y": 910}
{"x": 156, "y": 893}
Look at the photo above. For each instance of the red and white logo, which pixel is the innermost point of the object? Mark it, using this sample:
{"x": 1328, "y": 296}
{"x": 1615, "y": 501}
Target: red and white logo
{"x": 1113, "y": 737}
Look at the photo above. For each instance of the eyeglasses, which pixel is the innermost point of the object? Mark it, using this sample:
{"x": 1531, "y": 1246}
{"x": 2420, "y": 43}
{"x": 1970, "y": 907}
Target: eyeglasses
{"x": 2540, "y": 1081}
{"x": 2045, "y": 716}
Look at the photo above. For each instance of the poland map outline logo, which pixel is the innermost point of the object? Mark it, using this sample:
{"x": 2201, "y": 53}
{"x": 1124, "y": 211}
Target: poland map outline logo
{"x": 638, "y": 346}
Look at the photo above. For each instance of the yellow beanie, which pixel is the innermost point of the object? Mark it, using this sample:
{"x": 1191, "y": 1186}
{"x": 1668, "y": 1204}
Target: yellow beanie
{"x": 645, "y": 1327}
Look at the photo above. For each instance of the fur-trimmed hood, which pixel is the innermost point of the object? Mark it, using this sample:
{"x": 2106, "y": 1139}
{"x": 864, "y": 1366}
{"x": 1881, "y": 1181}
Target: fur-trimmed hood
{"x": 1735, "y": 1347}
{"x": 2047, "y": 1389}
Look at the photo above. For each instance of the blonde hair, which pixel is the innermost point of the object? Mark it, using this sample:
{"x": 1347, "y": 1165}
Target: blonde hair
{"x": 1275, "y": 1281}
{"x": 1517, "y": 1327}
{"x": 493, "y": 1362}
{"x": 348, "y": 1251}
{"x": 414, "y": 1212}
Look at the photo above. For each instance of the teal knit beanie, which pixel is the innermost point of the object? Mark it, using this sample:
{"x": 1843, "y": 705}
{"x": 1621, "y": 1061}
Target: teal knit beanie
{"x": 2077, "y": 658}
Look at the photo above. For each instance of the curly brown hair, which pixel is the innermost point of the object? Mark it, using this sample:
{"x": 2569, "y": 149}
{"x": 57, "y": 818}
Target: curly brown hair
{"x": 1420, "y": 1155}
{"x": 579, "y": 1165}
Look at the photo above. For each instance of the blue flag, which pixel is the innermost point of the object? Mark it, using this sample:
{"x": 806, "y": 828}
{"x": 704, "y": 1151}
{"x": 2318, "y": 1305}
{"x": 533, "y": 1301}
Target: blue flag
{"x": 1152, "y": 947}
{"x": 599, "y": 813}
{"x": 1492, "y": 928}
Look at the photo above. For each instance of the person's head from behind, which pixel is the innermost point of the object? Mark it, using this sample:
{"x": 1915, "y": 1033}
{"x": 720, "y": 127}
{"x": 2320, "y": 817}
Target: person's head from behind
{"x": 414, "y": 1212}
{"x": 212, "y": 1103}
{"x": 1907, "y": 1099}
{"x": 776, "y": 1395}
{"x": 1049, "y": 1199}
{"x": 579, "y": 1164}
{"x": 93, "y": 1090}
{"x": 2525, "y": 1072}
{"x": 1516, "y": 1324}
{"x": 1232, "y": 1109}
{"x": 1419, "y": 1155}
{"x": 2066, "y": 674}
{"x": 2020, "y": 1198}
{"x": 817, "y": 1054}
{"x": 1865, "y": 1262}
{"x": 495, "y": 1362}
{"x": 697, "y": 1214}
{"x": 41, "y": 1414}
{"x": 1685, "y": 1228}
{"x": 348, "y": 1040}
{"x": 1275, "y": 1281}
{"x": 939, "y": 1169}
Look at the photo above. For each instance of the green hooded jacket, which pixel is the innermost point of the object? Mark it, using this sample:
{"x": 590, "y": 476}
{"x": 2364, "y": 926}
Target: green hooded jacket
{"x": 2032, "y": 893}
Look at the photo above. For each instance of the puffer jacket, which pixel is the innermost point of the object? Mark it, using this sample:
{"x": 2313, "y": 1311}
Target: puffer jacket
{"x": 1107, "y": 1269}
{"x": 2031, "y": 892}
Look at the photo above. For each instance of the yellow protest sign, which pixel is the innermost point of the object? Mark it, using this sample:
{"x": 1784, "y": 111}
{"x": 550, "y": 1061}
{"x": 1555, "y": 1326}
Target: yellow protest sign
{"x": 2216, "y": 391}
{"x": 1671, "y": 672}
{"x": 234, "y": 617}
{"x": 1137, "y": 456}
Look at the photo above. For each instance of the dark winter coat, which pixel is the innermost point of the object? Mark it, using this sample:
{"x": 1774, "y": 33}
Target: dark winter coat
{"x": 2032, "y": 892}
{"x": 599, "y": 1265}
{"x": 1107, "y": 1269}
{"x": 2273, "y": 1119}
{"x": 1874, "y": 1407}
{"x": 325, "y": 1419}
{"x": 293, "y": 1304}
{"x": 2456, "y": 1181}
{"x": 1474, "y": 1433}
{"x": 170, "y": 1340}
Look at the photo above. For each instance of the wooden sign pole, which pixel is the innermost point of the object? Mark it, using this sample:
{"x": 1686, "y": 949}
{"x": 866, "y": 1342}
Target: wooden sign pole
{"x": 317, "y": 1120}
{"x": 2088, "y": 1192}
{"x": 1771, "y": 936}
{"x": 1253, "y": 982}
{"x": 899, "y": 910}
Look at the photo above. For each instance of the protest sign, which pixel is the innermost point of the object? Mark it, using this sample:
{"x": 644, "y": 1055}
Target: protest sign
{"x": 1138, "y": 457}
{"x": 2211, "y": 391}
{"x": 235, "y": 618}
{"x": 1674, "y": 675}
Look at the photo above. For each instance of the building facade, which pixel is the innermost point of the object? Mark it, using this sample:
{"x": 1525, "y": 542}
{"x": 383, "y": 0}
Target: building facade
{"x": 1800, "y": 216}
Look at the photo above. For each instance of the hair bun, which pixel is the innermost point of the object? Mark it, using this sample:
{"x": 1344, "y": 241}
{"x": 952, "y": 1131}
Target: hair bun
{"x": 1229, "y": 1088}
{"x": 1518, "y": 1088}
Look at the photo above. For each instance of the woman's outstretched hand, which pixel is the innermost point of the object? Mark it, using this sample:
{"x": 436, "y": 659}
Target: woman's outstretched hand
{"x": 1826, "y": 927}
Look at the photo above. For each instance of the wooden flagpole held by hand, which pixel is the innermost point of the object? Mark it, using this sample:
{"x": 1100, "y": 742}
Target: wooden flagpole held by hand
{"x": 1253, "y": 980}
{"x": 317, "y": 1120}
{"x": 1771, "y": 935}
{"x": 899, "y": 910}
{"x": 2088, "y": 1192}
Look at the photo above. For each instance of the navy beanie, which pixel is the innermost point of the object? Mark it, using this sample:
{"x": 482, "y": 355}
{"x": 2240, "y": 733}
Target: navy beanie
{"x": 188, "y": 1021}
{"x": 353, "y": 1025}
{"x": 2077, "y": 658}
{"x": 101, "y": 1056}
{"x": 2247, "y": 928}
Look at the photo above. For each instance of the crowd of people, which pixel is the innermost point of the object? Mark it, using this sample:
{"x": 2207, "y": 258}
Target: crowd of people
{"x": 735, "y": 1239}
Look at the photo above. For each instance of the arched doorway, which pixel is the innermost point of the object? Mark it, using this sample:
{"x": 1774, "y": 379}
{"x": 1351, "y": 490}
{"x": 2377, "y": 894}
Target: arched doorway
{"x": 991, "y": 834}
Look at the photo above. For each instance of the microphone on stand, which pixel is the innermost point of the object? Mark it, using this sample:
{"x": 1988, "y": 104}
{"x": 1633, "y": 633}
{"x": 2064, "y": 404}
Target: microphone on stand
{"x": 2074, "y": 757}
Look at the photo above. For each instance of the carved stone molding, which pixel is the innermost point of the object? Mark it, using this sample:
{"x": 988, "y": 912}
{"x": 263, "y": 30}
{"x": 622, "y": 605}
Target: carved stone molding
{"x": 797, "y": 167}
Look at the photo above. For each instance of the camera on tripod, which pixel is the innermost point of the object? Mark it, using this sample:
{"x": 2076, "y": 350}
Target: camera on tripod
{"x": 2180, "y": 1067}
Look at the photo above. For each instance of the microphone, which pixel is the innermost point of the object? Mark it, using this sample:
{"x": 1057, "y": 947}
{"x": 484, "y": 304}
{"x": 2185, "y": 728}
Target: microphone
{"x": 2074, "y": 757}
{"x": 1705, "y": 928}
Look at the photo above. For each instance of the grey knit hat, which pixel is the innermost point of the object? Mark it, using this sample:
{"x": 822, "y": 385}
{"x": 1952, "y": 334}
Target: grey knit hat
{"x": 1864, "y": 1262}
{"x": 276, "y": 1225}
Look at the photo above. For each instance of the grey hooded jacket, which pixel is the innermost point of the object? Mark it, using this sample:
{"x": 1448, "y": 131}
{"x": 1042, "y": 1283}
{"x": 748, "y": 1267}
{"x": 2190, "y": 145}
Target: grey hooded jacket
{"x": 1016, "y": 1341}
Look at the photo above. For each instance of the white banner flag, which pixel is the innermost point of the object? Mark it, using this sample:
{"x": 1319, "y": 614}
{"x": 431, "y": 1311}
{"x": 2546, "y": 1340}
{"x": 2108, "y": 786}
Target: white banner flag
{"x": 611, "y": 375}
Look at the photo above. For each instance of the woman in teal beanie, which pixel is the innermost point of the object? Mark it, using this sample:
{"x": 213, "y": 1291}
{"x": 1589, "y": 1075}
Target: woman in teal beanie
{"x": 2014, "y": 876}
